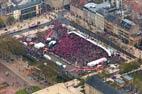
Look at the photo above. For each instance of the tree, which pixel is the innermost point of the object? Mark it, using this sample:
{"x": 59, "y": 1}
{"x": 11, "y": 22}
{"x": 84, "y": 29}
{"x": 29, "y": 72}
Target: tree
{"x": 1, "y": 23}
{"x": 10, "y": 47}
{"x": 10, "y": 20}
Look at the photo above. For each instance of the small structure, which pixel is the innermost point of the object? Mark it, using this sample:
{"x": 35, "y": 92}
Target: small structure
{"x": 127, "y": 78}
{"x": 120, "y": 82}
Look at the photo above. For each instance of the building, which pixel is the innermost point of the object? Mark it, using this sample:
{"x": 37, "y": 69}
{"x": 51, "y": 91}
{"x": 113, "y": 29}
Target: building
{"x": 95, "y": 85}
{"x": 93, "y": 16}
{"x": 125, "y": 29}
{"x": 6, "y": 7}
{"x": 28, "y": 9}
{"x": 89, "y": 13}
{"x": 127, "y": 78}
{"x": 21, "y": 9}
{"x": 55, "y": 89}
{"x": 120, "y": 82}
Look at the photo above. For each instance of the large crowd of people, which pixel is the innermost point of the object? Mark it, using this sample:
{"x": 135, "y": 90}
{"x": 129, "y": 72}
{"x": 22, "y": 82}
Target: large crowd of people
{"x": 70, "y": 47}
{"x": 78, "y": 50}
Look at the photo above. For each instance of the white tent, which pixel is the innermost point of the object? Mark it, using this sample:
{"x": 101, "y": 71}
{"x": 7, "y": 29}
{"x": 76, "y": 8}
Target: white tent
{"x": 47, "y": 57}
{"x": 39, "y": 45}
{"x": 96, "y": 62}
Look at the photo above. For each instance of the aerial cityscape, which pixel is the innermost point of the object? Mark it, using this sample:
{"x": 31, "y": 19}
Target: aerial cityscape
{"x": 70, "y": 46}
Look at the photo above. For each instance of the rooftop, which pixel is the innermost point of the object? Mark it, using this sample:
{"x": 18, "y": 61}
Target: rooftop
{"x": 127, "y": 24}
{"x": 55, "y": 89}
{"x": 94, "y": 7}
{"x": 127, "y": 77}
{"x": 98, "y": 84}
{"x": 28, "y": 3}
{"x": 111, "y": 18}
{"x": 119, "y": 81}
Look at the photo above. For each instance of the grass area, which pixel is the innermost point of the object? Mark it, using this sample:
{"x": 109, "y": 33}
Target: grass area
{"x": 137, "y": 82}
{"x": 104, "y": 74}
{"x": 127, "y": 67}
{"x": 137, "y": 76}
{"x": 28, "y": 91}
{"x": 21, "y": 92}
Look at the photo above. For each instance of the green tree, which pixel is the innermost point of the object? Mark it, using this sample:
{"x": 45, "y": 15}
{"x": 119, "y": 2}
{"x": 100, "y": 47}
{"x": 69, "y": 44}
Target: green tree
{"x": 10, "y": 20}
{"x": 10, "y": 47}
{"x": 1, "y": 23}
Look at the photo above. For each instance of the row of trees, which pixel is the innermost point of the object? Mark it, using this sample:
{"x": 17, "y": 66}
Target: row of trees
{"x": 10, "y": 47}
{"x": 8, "y": 21}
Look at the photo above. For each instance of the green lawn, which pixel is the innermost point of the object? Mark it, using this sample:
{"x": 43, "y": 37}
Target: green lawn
{"x": 21, "y": 92}
{"x": 24, "y": 91}
{"x": 104, "y": 74}
{"x": 127, "y": 67}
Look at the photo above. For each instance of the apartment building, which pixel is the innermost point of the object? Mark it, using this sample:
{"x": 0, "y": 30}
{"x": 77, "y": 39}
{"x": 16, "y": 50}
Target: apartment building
{"x": 88, "y": 12}
{"x": 6, "y": 7}
{"x": 125, "y": 29}
{"x": 21, "y": 9}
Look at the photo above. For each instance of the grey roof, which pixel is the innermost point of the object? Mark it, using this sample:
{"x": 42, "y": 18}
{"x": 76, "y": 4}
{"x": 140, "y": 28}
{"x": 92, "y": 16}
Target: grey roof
{"x": 28, "y": 4}
{"x": 127, "y": 77}
{"x": 111, "y": 18}
{"x": 94, "y": 7}
{"x": 98, "y": 84}
{"x": 119, "y": 81}
{"x": 127, "y": 24}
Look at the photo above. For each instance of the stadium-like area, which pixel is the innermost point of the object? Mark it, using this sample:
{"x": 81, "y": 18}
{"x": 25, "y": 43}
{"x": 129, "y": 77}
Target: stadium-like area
{"x": 76, "y": 49}
{"x": 68, "y": 44}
